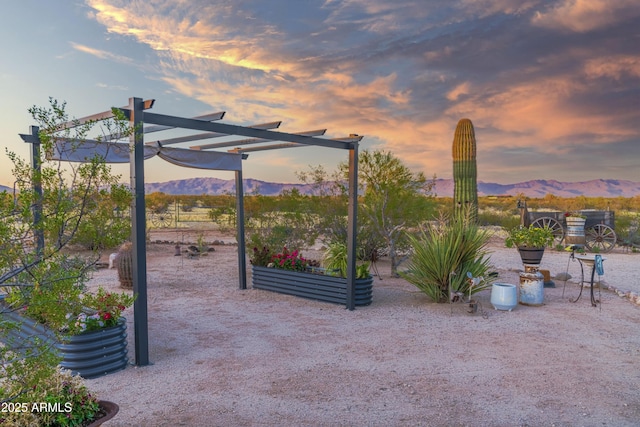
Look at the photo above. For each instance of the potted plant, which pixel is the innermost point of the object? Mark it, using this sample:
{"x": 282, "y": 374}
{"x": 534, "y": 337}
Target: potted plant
{"x": 530, "y": 242}
{"x": 288, "y": 272}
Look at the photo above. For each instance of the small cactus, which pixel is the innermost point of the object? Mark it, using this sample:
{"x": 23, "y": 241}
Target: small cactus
{"x": 124, "y": 264}
{"x": 465, "y": 193}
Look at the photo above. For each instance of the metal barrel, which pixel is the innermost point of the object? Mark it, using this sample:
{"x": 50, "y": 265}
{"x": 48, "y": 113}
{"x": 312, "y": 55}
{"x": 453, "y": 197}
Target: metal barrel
{"x": 531, "y": 286}
{"x": 575, "y": 232}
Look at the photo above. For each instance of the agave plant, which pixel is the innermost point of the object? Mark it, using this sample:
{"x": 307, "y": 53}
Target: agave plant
{"x": 447, "y": 252}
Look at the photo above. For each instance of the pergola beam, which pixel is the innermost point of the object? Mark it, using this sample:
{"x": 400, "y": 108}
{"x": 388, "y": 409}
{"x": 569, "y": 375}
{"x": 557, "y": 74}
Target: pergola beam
{"x": 211, "y": 135}
{"x": 146, "y": 105}
{"x": 351, "y": 139}
{"x": 212, "y": 117}
{"x": 317, "y": 132}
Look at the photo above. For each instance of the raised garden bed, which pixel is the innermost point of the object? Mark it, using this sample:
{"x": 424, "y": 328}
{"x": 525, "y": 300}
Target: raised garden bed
{"x": 319, "y": 287}
{"x": 89, "y": 354}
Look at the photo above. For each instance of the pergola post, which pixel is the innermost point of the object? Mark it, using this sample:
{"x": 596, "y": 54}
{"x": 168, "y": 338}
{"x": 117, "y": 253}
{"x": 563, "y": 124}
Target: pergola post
{"x": 242, "y": 263}
{"x": 36, "y": 164}
{"x": 138, "y": 232}
{"x": 352, "y": 226}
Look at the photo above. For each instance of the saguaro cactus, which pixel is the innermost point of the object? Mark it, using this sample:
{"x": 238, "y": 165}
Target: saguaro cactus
{"x": 124, "y": 264}
{"x": 465, "y": 193}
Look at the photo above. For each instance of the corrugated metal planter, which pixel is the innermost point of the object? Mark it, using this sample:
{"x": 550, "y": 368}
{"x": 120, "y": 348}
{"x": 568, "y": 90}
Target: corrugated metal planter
{"x": 312, "y": 286}
{"x": 96, "y": 353}
{"x": 89, "y": 354}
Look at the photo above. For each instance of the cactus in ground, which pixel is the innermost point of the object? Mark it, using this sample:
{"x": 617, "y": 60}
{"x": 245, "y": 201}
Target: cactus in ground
{"x": 124, "y": 264}
{"x": 465, "y": 193}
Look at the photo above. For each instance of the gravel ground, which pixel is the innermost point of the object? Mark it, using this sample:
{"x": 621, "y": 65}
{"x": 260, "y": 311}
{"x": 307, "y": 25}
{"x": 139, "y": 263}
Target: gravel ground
{"x": 228, "y": 357}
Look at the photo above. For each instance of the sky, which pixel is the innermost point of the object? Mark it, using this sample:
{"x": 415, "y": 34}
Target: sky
{"x": 552, "y": 87}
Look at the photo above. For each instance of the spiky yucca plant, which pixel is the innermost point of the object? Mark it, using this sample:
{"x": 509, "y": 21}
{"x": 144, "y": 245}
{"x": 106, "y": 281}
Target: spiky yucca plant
{"x": 448, "y": 250}
{"x": 465, "y": 193}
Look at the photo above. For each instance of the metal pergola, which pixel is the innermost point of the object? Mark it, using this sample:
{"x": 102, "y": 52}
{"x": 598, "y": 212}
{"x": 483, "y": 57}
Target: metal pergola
{"x": 258, "y": 137}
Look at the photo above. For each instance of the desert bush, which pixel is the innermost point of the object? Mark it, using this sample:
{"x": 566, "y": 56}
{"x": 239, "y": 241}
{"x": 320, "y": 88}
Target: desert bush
{"x": 446, "y": 251}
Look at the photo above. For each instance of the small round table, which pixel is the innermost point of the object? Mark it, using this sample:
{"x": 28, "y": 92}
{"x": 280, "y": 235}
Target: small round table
{"x": 589, "y": 261}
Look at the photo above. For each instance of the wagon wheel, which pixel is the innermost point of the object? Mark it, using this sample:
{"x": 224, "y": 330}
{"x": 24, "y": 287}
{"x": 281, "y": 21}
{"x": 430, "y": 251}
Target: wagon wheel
{"x": 600, "y": 236}
{"x": 553, "y": 224}
{"x": 161, "y": 219}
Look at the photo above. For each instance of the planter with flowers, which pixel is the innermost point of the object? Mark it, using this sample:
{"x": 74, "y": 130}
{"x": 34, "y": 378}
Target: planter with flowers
{"x": 91, "y": 342}
{"x": 290, "y": 273}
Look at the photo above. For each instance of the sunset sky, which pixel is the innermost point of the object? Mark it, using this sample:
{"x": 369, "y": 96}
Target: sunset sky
{"x": 552, "y": 87}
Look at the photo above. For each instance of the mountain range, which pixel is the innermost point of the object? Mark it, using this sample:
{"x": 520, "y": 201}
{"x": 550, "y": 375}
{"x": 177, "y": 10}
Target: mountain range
{"x": 444, "y": 187}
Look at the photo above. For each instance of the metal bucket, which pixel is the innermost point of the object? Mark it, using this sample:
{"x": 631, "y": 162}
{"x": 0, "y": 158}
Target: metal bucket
{"x": 575, "y": 231}
{"x": 531, "y": 286}
{"x": 504, "y": 296}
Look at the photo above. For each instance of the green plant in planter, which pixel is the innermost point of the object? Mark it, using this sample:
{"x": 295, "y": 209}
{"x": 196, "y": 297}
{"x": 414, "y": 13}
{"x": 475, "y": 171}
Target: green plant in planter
{"x": 335, "y": 261}
{"x": 529, "y": 237}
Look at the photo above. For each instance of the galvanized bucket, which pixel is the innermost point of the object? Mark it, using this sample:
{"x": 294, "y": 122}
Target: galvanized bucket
{"x": 575, "y": 231}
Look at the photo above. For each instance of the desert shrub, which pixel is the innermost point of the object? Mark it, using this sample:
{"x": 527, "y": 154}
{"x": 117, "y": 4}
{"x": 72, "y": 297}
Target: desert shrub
{"x": 495, "y": 216}
{"x": 446, "y": 251}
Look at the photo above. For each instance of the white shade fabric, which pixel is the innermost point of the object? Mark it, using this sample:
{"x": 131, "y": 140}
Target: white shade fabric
{"x": 112, "y": 152}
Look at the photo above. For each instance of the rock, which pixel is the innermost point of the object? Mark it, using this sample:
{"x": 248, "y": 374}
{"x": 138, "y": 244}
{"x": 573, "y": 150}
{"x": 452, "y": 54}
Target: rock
{"x": 563, "y": 276}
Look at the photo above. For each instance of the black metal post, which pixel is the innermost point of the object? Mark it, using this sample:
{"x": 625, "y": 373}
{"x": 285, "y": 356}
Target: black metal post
{"x": 352, "y": 227}
{"x": 138, "y": 233}
{"x": 242, "y": 262}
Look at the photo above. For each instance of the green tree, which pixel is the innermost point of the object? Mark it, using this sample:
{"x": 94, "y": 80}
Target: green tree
{"x": 394, "y": 200}
{"x": 329, "y": 202}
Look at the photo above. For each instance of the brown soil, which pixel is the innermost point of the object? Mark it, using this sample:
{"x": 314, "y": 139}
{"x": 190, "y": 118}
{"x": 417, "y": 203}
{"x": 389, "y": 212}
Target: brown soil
{"x": 228, "y": 357}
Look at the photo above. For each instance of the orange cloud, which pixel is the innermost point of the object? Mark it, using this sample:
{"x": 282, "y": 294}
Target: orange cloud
{"x": 586, "y": 15}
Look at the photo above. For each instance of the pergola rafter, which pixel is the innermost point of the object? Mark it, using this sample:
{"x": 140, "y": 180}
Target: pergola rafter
{"x": 235, "y": 142}
{"x": 211, "y": 135}
{"x": 256, "y": 134}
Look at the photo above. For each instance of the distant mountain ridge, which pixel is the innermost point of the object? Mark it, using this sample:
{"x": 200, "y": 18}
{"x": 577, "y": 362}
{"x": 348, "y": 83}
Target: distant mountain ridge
{"x": 444, "y": 187}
